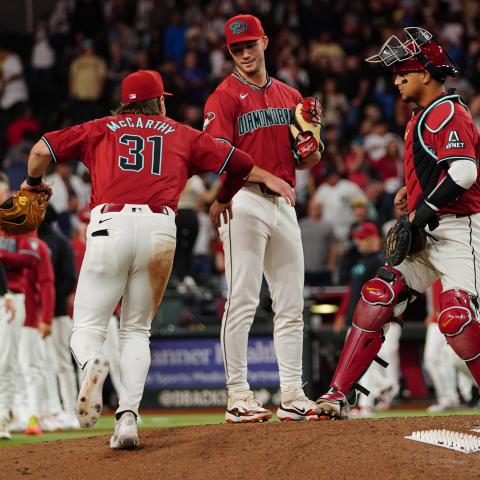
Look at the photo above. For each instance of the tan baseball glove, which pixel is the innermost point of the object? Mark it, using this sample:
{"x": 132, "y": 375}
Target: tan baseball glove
{"x": 306, "y": 127}
{"x": 23, "y": 212}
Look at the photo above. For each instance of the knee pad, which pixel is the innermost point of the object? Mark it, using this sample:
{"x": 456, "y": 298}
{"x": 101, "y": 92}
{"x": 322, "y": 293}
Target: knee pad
{"x": 382, "y": 297}
{"x": 458, "y": 322}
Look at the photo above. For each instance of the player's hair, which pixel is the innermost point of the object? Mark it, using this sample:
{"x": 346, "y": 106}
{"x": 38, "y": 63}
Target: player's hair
{"x": 146, "y": 107}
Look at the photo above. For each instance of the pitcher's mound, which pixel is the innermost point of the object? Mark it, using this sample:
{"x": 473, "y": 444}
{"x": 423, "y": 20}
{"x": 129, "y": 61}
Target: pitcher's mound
{"x": 360, "y": 449}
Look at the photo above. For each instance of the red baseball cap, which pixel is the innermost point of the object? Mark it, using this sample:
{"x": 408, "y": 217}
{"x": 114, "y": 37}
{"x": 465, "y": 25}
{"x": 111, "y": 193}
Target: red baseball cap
{"x": 142, "y": 85}
{"x": 432, "y": 51}
{"x": 243, "y": 28}
{"x": 365, "y": 230}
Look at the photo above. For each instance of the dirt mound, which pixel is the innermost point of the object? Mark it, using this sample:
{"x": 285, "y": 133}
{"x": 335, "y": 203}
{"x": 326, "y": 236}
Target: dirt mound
{"x": 316, "y": 450}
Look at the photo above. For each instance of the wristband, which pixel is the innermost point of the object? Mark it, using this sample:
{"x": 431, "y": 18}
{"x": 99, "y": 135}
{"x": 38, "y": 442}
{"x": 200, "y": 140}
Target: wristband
{"x": 34, "y": 181}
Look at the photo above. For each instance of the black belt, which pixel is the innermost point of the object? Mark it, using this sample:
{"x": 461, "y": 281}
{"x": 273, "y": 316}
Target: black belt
{"x": 118, "y": 207}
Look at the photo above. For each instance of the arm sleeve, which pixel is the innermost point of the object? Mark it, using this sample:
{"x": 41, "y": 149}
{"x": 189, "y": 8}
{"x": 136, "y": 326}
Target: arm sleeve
{"x": 238, "y": 170}
{"x": 24, "y": 258}
{"x": 46, "y": 281}
{"x": 220, "y": 116}
{"x": 69, "y": 143}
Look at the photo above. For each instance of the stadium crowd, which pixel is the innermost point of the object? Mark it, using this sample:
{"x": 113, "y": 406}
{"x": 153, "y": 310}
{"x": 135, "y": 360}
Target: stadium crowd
{"x": 82, "y": 50}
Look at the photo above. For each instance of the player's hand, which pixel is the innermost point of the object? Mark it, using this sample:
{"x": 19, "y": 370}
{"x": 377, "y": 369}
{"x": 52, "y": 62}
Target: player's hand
{"x": 282, "y": 188}
{"x": 44, "y": 329}
{"x": 43, "y": 187}
{"x": 400, "y": 200}
{"x": 218, "y": 210}
{"x": 9, "y": 307}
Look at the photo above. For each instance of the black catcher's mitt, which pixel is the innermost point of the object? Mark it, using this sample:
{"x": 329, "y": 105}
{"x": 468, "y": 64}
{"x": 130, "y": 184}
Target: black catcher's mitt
{"x": 23, "y": 212}
{"x": 403, "y": 239}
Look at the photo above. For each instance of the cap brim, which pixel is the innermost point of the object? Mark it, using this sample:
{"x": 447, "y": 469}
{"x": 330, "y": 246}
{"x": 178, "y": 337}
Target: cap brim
{"x": 167, "y": 94}
{"x": 244, "y": 39}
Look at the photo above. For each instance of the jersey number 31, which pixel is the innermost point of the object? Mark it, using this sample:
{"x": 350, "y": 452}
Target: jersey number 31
{"x": 135, "y": 162}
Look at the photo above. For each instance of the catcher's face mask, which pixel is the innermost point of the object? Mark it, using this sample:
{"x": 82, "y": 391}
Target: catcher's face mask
{"x": 418, "y": 52}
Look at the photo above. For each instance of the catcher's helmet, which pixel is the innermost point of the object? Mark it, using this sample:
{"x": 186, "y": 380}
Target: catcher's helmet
{"x": 419, "y": 52}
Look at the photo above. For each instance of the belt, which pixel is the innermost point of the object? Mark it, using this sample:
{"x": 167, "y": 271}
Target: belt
{"x": 118, "y": 207}
{"x": 263, "y": 188}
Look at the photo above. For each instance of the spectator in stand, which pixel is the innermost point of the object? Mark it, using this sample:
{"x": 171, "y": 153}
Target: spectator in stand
{"x": 88, "y": 73}
{"x": 377, "y": 141}
{"x": 13, "y": 87}
{"x": 318, "y": 240}
{"x": 25, "y": 123}
{"x": 389, "y": 168}
{"x": 194, "y": 77}
{"x": 336, "y": 194}
{"x": 335, "y": 104}
{"x": 175, "y": 44}
{"x": 292, "y": 74}
{"x": 357, "y": 163}
{"x": 118, "y": 67}
{"x": 69, "y": 194}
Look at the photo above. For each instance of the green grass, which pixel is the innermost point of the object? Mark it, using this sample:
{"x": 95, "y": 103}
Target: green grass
{"x": 105, "y": 425}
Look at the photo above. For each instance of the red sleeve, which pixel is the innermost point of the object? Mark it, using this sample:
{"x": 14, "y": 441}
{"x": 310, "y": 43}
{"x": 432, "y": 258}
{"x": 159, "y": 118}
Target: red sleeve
{"x": 69, "y": 143}
{"x": 209, "y": 154}
{"x": 18, "y": 261}
{"x": 450, "y": 131}
{"x": 220, "y": 116}
{"x": 26, "y": 256}
{"x": 46, "y": 284}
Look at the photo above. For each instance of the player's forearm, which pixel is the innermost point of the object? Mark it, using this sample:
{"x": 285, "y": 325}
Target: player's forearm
{"x": 38, "y": 159}
{"x": 48, "y": 302}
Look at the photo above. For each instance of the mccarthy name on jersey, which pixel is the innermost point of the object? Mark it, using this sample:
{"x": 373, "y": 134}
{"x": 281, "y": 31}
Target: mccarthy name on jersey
{"x": 140, "y": 122}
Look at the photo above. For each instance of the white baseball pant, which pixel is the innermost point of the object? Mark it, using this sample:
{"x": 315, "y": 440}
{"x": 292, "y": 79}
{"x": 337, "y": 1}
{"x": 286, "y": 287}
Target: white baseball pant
{"x": 61, "y": 334}
{"x": 263, "y": 237}
{"x": 9, "y": 342}
{"x": 30, "y": 361}
{"x": 133, "y": 261}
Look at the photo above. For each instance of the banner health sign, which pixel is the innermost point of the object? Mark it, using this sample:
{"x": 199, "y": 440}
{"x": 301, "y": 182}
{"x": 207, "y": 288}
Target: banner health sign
{"x": 198, "y": 364}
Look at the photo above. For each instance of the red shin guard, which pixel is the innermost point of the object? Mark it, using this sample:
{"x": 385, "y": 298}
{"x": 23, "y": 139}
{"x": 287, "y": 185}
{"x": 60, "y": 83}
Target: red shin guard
{"x": 358, "y": 353}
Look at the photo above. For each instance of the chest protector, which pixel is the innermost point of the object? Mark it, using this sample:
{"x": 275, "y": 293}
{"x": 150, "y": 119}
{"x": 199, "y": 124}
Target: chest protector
{"x": 427, "y": 170}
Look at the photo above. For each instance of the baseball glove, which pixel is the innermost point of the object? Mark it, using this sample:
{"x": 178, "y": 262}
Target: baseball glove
{"x": 403, "y": 239}
{"x": 306, "y": 126}
{"x": 23, "y": 212}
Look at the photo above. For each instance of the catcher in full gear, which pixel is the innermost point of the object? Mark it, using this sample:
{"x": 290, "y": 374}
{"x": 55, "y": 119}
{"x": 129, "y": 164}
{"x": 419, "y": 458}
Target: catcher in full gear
{"x": 439, "y": 235}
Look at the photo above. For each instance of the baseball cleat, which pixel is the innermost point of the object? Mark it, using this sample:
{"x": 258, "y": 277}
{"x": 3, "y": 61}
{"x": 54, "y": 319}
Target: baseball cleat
{"x": 333, "y": 405}
{"x": 89, "y": 403}
{"x": 4, "y": 431}
{"x": 298, "y": 409}
{"x": 33, "y": 427}
{"x": 246, "y": 409}
{"x": 125, "y": 436}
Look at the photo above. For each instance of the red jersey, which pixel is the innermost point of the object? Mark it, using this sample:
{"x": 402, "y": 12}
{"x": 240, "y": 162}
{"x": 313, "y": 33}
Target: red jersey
{"x": 18, "y": 255}
{"x": 40, "y": 287}
{"x": 79, "y": 249}
{"x": 442, "y": 131}
{"x": 256, "y": 120}
{"x": 143, "y": 159}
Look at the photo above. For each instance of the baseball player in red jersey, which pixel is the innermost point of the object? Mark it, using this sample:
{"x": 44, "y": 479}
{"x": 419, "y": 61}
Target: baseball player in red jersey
{"x": 40, "y": 383}
{"x": 253, "y": 111}
{"x": 139, "y": 161}
{"x": 442, "y": 196}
